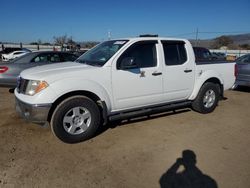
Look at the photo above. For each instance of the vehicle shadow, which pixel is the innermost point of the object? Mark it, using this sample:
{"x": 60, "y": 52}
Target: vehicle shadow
{"x": 244, "y": 89}
{"x": 190, "y": 177}
{"x": 114, "y": 124}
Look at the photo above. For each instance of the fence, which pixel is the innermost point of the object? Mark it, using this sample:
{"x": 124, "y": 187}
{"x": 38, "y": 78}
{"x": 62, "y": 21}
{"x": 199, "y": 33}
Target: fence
{"x": 33, "y": 47}
{"x": 235, "y": 53}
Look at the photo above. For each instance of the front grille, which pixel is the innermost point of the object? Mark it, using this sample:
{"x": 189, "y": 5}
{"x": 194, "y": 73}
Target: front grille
{"x": 22, "y": 85}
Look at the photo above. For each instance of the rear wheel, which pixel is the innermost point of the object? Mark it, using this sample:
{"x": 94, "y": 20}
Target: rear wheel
{"x": 76, "y": 119}
{"x": 207, "y": 98}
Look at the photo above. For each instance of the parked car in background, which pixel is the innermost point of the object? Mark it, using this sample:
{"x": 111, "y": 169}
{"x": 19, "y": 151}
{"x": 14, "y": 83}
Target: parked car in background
{"x": 8, "y": 50}
{"x": 243, "y": 76}
{"x": 10, "y": 71}
{"x": 218, "y": 56}
{"x": 13, "y": 55}
{"x": 203, "y": 54}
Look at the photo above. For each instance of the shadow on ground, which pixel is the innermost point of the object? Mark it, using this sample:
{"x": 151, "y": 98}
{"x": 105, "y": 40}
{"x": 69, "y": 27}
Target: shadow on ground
{"x": 243, "y": 89}
{"x": 190, "y": 177}
{"x": 114, "y": 124}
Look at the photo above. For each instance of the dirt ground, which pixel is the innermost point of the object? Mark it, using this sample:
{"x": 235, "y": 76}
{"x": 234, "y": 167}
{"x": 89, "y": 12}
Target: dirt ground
{"x": 133, "y": 154}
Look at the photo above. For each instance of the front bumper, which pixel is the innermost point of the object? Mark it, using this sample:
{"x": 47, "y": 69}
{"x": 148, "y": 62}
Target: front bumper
{"x": 36, "y": 113}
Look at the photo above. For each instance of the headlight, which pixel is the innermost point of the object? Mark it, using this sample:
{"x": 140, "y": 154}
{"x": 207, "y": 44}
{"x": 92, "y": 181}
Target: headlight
{"x": 35, "y": 86}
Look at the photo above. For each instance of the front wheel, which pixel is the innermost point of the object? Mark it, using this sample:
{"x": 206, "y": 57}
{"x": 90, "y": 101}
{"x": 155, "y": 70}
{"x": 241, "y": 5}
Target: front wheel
{"x": 75, "y": 119}
{"x": 207, "y": 98}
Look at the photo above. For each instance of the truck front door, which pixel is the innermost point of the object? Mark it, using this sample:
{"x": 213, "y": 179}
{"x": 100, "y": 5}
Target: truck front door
{"x": 137, "y": 76}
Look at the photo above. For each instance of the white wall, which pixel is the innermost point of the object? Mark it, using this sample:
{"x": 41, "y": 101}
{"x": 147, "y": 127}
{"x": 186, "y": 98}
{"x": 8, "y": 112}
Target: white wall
{"x": 236, "y": 53}
{"x": 32, "y": 47}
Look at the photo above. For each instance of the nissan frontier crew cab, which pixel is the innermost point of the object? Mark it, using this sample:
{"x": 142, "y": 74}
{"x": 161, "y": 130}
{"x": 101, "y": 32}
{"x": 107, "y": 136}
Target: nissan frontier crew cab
{"x": 120, "y": 79}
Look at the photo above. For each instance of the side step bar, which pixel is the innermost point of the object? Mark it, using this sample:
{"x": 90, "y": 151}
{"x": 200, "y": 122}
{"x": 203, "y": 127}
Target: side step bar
{"x": 148, "y": 111}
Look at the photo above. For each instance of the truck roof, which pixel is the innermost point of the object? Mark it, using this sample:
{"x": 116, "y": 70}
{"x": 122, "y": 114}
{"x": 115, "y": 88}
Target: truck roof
{"x": 151, "y": 38}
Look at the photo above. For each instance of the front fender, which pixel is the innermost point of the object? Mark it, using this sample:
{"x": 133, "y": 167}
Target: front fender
{"x": 62, "y": 87}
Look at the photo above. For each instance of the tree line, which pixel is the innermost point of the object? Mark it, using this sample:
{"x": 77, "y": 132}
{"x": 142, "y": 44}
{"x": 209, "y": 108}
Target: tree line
{"x": 67, "y": 41}
{"x": 225, "y": 41}
{"x": 64, "y": 40}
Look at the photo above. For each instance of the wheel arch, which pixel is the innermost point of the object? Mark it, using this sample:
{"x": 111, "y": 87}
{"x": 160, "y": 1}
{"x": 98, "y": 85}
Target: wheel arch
{"x": 101, "y": 104}
{"x": 200, "y": 83}
{"x": 216, "y": 81}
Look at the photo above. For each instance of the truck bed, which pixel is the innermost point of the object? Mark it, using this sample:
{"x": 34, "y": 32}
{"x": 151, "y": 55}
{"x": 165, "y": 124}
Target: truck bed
{"x": 225, "y": 70}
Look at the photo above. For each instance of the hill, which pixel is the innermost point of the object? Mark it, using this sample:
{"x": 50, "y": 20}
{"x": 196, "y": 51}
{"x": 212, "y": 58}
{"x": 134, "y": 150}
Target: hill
{"x": 237, "y": 40}
{"x": 240, "y": 39}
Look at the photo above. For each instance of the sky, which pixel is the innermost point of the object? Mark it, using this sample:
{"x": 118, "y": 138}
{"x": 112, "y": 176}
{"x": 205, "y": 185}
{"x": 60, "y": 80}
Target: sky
{"x": 91, "y": 20}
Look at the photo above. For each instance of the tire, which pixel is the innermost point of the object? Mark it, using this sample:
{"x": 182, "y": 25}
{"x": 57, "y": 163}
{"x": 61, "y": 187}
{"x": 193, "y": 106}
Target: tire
{"x": 75, "y": 119}
{"x": 207, "y": 98}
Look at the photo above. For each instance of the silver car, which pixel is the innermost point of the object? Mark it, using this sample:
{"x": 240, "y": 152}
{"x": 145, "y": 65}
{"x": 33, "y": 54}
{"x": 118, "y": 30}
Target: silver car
{"x": 11, "y": 70}
{"x": 243, "y": 76}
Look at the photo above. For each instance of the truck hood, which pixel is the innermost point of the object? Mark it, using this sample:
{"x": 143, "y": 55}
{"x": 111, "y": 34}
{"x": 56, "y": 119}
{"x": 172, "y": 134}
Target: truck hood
{"x": 55, "y": 71}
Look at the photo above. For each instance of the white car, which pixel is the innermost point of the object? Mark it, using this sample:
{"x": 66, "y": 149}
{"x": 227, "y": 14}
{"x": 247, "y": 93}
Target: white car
{"x": 13, "y": 55}
{"x": 120, "y": 79}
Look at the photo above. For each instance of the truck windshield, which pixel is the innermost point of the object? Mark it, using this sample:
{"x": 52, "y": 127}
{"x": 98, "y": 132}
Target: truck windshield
{"x": 100, "y": 54}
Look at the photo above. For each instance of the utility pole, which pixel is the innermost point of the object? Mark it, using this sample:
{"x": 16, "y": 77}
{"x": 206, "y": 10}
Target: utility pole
{"x": 196, "y": 37}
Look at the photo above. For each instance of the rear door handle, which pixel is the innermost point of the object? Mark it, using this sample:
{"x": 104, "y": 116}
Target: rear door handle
{"x": 156, "y": 73}
{"x": 188, "y": 70}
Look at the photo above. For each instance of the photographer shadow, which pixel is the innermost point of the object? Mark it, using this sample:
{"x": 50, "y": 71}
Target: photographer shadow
{"x": 190, "y": 177}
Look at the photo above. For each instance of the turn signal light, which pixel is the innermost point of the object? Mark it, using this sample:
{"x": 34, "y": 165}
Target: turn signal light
{"x": 3, "y": 69}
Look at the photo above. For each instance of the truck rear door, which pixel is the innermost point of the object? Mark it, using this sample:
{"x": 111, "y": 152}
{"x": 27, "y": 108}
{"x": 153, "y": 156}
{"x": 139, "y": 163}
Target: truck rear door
{"x": 178, "y": 69}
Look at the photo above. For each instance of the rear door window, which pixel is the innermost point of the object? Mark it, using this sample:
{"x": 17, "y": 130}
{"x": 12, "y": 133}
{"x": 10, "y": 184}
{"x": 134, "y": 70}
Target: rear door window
{"x": 174, "y": 52}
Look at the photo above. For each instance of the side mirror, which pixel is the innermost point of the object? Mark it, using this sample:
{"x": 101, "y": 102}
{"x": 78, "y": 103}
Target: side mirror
{"x": 128, "y": 63}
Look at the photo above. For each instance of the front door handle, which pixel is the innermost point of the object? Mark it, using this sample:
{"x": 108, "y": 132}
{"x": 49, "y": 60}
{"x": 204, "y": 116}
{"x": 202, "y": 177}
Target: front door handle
{"x": 156, "y": 73}
{"x": 188, "y": 70}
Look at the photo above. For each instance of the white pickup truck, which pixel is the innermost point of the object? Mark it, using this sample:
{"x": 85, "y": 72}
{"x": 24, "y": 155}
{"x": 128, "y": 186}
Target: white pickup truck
{"x": 120, "y": 79}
